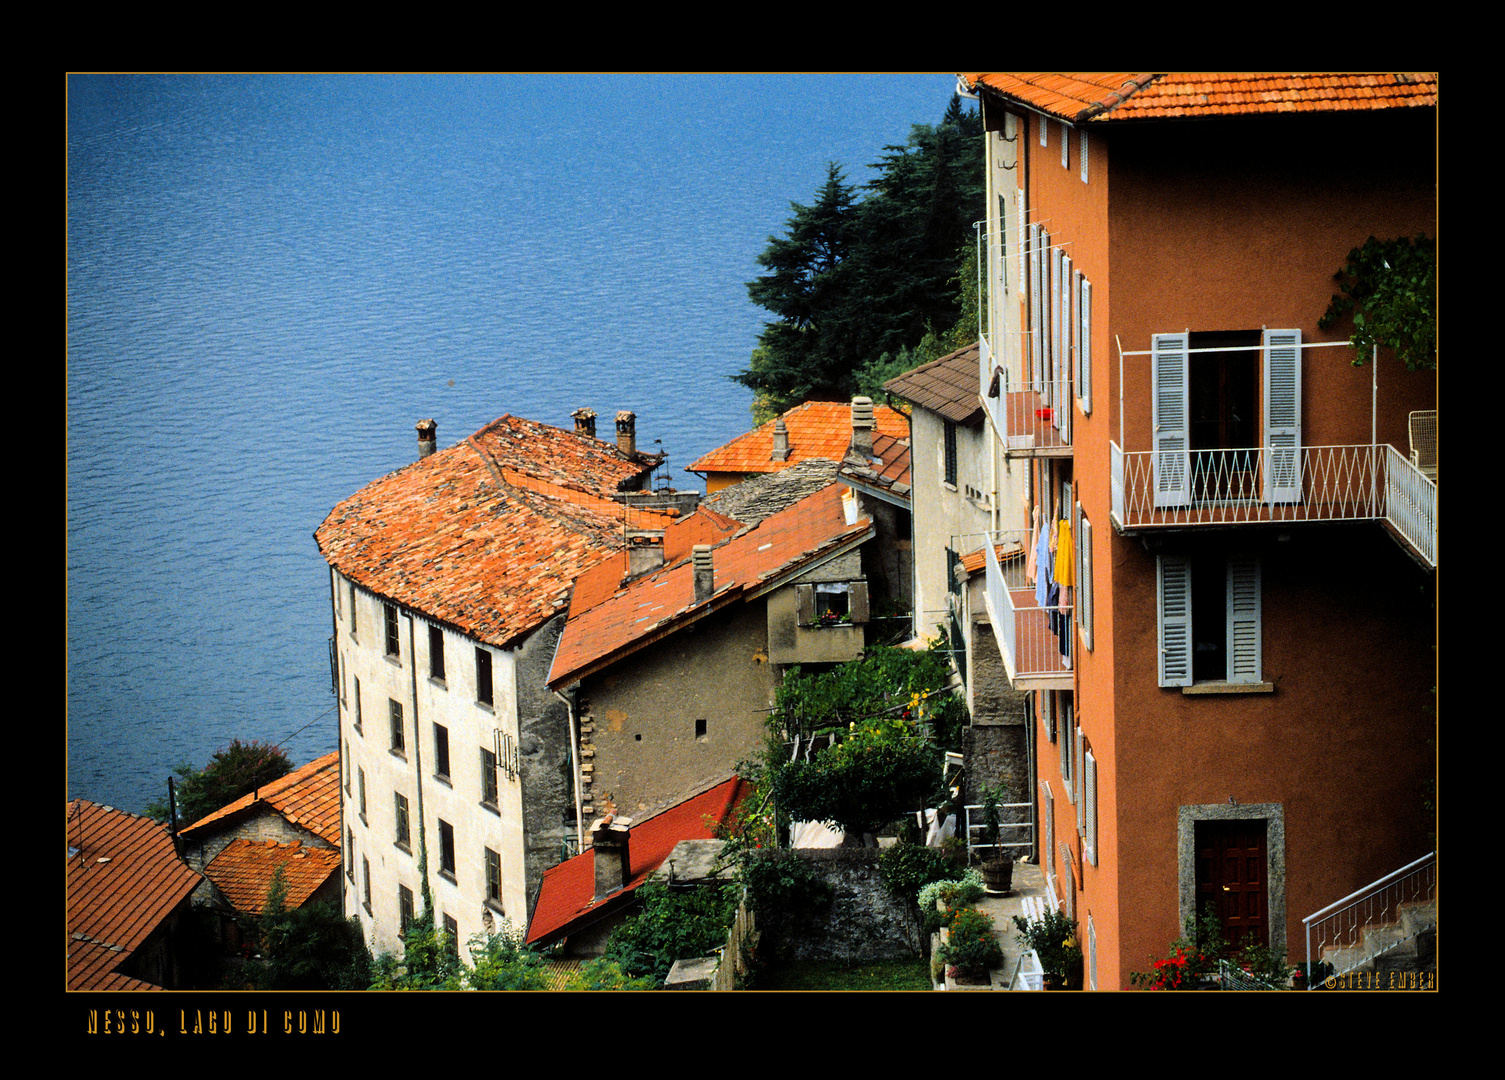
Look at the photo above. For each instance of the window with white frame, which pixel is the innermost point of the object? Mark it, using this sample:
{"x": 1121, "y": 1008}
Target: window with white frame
{"x": 1084, "y": 577}
{"x": 1082, "y": 154}
{"x": 1210, "y": 619}
{"x": 1089, "y": 806}
{"x": 1044, "y": 131}
{"x": 1084, "y": 344}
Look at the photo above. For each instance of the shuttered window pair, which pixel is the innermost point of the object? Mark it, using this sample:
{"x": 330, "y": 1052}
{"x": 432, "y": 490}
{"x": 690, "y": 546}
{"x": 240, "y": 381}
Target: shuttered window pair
{"x": 1241, "y": 612}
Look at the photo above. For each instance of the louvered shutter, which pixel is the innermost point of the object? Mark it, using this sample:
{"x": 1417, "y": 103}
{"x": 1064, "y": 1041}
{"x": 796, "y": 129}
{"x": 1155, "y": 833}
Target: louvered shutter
{"x": 1048, "y": 713}
{"x": 857, "y": 605}
{"x": 1084, "y": 577}
{"x": 1172, "y": 435}
{"x": 1036, "y": 291}
{"x": 1089, "y": 788}
{"x": 1282, "y": 416}
{"x": 1084, "y": 345}
{"x": 805, "y": 598}
{"x": 1063, "y": 352}
{"x": 1173, "y": 590}
{"x": 1079, "y": 775}
{"x": 1243, "y": 620}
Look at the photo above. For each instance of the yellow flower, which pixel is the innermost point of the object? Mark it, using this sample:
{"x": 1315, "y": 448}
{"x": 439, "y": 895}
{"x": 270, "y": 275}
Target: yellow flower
{"x": 1069, "y": 943}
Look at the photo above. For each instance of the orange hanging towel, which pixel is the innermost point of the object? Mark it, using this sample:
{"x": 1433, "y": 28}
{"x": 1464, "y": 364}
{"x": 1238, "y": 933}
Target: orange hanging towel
{"x": 1065, "y": 564}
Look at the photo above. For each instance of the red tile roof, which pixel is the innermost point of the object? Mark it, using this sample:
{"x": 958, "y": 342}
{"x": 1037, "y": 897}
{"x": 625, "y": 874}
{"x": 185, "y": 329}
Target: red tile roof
{"x": 308, "y": 797}
{"x": 243, "y": 871}
{"x": 817, "y": 429}
{"x": 567, "y": 896}
{"x": 124, "y": 879}
{"x": 489, "y": 535}
{"x": 888, "y": 470}
{"x": 948, "y": 387}
{"x": 659, "y": 603}
{"x": 1079, "y": 97}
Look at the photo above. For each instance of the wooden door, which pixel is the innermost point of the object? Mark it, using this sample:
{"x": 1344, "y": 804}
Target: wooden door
{"x": 1231, "y": 865}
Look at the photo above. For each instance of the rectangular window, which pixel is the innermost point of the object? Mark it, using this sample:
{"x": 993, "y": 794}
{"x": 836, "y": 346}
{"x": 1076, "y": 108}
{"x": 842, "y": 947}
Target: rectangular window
{"x": 350, "y": 853}
{"x": 1067, "y": 742}
{"x": 357, "y": 704}
{"x": 361, "y": 778}
{"x": 1084, "y": 344}
{"x": 1091, "y": 944}
{"x": 400, "y": 803}
{"x": 342, "y": 677}
{"x": 399, "y": 743}
{"x": 405, "y": 906}
{"x": 452, "y": 937}
{"x": 1065, "y": 146}
{"x": 950, "y": 453}
{"x": 488, "y": 778}
{"x": 493, "y": 877}
{"x": 483, "y": 677}
{"x": 1082, "y": 155}
{"x": 1048, "y": 713}
{"x": 441, "y": 751}
{"x": 436, "y": 653}
{"x": 446, "y": 848}
{"x": 1044, "y": 131}
{"x": 394, "y": 644}
{"x": 366, "y": 883}
{"x": 347, "y": 767}
{"x": 1210, "y": 619}
{"x": 353, "y": 635}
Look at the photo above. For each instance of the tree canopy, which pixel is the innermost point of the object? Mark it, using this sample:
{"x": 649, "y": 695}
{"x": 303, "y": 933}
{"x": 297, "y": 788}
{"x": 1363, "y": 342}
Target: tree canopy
{"x": 1390, "y": 289}
{"x": 236, "y": 770}
{"x": 854, "y": 279}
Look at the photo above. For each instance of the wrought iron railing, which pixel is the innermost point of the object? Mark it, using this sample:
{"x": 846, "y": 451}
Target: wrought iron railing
{"x": 1364, "y": 924}
{"x": 1179, "y": 488}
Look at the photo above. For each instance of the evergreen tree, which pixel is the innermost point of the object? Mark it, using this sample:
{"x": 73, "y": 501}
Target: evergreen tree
{"x": 853, "y": 280}
{"x": 236, "y": 770}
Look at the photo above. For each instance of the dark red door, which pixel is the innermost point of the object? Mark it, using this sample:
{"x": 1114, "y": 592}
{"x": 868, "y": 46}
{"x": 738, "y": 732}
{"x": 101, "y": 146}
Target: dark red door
{"x": 1231, "y": 862}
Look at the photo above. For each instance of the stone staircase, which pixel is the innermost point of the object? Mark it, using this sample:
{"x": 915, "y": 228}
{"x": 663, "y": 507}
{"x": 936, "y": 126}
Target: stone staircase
{"x": 1400, "y": 953}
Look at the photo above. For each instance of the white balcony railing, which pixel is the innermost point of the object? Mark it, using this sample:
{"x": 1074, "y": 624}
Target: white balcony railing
{"x": 1177, "y": 489}
{"x": 1029, "y": 636}
{"x": 1033, "y": 419}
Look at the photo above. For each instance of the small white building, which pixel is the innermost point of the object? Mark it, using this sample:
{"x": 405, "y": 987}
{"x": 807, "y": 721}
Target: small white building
{"x": 450, "y": 580}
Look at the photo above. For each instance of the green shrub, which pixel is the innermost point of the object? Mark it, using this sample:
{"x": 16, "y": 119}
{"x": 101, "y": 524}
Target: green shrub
{"x": 906, "y": 868}
{"x": 971, "y": 947}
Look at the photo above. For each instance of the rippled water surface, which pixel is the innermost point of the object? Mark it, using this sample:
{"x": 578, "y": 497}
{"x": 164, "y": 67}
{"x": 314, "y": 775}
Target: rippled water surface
{"x": 272, "y": 278}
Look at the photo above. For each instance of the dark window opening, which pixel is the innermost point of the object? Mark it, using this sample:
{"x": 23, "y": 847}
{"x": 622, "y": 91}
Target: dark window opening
{"x": 405, "y": 906}
{"x": 389, "y": 614}
{"x": 488, "y": 777}
{"x": 1209, "y": 619}
{"x": 950, "y": 453}
{"x": 700, "y": 729}
{"x": 446, "y": 847}
{"x": 1224, "y": 388}
{"x": 436, "y": 653}
{"x": 483, "y": 676}
{"x": 441, "y": 751}
{"x": 399, "y": 744}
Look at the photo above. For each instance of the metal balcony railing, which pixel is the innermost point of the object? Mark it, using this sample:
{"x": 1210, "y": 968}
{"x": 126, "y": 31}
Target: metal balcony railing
{"x": 1016, "y": 831}
{"x": 1181, "y": 488}
{"x": 1376, "y": 919}
{"x": 1032, "y": 418}
{"x": 1029, "y": 636}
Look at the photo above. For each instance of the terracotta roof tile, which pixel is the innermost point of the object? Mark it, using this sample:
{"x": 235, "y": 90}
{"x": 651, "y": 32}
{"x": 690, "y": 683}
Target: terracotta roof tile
{"x": 948, "y": 387}
{"x": 658, "y": 603}
{"x": 817, "y": 429}
{"x": 124, "y": 878}
{"x": 568, "y": 892}
{"x": 1080, "y": 97}
{"x": 308, "y": 797}
{"x": 243, "y": 871}
{"x": 489, "y": 535}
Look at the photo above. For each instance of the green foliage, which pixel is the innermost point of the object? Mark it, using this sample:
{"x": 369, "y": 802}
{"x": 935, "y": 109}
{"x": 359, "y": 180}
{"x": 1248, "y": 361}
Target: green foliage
{"x": 232, "y": 772}
{"x": 971, "y": 946}
{"x": 1053, "y": 938}
{"x": 603, "y": 974}
{"x": 954, "y": 892}
{"x": 852, "y": 280}
{"x": 1390, "y": 289}
{"x": 781, "y": 881}
{"x": 671, "y": 924}
{"x": 308, "y": 948}
{"x": 502, "y": 961}
{"x": 906, "y": 868}
{"x": 840, "y": 975}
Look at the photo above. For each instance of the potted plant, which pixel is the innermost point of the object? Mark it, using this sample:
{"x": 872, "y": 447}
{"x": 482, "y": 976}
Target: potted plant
{"x": 1053, "y": 939}
{"x": 998, "y": 867}
{"x": 971, "y": 949}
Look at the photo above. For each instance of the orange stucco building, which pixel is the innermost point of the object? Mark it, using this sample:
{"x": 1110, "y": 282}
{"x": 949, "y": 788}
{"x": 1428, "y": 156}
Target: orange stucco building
{"x": 1233, "y": 690}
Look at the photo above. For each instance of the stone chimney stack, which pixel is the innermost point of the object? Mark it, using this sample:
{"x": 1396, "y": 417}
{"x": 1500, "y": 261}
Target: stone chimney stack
{"x": 780, "y": 441}
{"x": 705, "y": 572}
{"x": 428, "y": 438}
{"x": 862, "y": 428}
{"x": 613, "y": 859}
{"x": 645, "y": 551}
{"x": 627, "y": 433}
{"x": 585, "y": 422}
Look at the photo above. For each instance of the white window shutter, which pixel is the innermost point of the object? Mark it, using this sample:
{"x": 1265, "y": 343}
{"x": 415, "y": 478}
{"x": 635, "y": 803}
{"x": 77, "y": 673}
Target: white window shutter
{"x": 1048, "y": 713}
{"x": 1068, "y": 747}
{"x": 1173, "y": 590}
{"x": 1036, "y": 291}
{"x": 1244, "y": 616}
{"x": 1172, "y": 432}
{"x": 1084, "y": 344}
{"x": 1084, "y": 578}
{"x": 1063, "y": 352}
{"x": 1282, "y": 416}
{"x": 1089, "y": 787}
{"x": 1079, "y": 775}
{"x": 1082, "y": 154}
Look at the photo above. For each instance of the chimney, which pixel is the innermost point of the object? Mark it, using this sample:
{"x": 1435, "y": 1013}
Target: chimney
{"x": 627, "y": 433}
{"x": 705, "y": 572}
{"x": 585, "y": 422}
{"x": 428, "y": 437}
{"x": 862, "y": 428}
{"x": 613, "y": 860}
{"x": 780, "y": 441}
{"x": 645, "y": 551}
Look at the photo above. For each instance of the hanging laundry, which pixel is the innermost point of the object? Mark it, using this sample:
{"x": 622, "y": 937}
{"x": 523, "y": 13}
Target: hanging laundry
{"x": 1042, "y": 577}
{"x": 1065, "y": 568}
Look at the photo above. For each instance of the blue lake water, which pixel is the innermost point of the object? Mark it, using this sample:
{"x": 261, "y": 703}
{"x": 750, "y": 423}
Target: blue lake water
{"x": 272, "y": 278}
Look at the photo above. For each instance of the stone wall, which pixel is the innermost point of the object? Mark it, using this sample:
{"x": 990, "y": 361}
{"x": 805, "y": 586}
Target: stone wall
{"x": 863, "y": 922}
